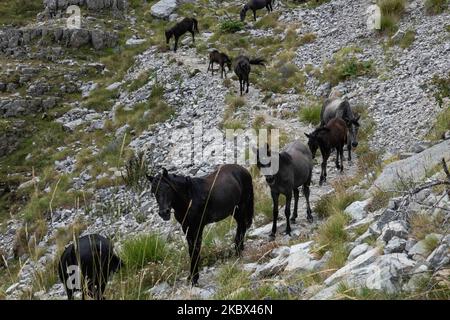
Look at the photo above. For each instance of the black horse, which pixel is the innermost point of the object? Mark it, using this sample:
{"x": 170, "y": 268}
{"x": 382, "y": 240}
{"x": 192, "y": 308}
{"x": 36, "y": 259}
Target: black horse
{"x": 185, "y": 25}
{"x": 242, "y": 69}
{"x": 339, "y": 108}
{"x": 88, "y": 265}
{"x": 220, "y": 58}
{"x": 255, "y": 5}
{"x": 200, "y": 201}
{"x": 294, "y": 170}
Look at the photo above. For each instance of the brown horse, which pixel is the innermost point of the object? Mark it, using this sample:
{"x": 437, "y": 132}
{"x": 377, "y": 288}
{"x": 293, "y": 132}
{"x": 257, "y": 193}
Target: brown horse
{"x": 204, "y": 200}
{"x": 332, "y": 136}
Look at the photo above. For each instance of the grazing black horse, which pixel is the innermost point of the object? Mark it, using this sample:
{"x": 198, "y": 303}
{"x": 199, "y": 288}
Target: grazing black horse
{"x": 87, "y": 264}
{"x": 295, "y": 170}
{"x": 332, "y": 136}
{"x": 340, "y": 108}
{"x": 185, "y": 25}
{"x": 220, "y": 58}
{"x": 242, "y": 69}
{"x": 255, "y": 5}
{"x": 200, "y": 201}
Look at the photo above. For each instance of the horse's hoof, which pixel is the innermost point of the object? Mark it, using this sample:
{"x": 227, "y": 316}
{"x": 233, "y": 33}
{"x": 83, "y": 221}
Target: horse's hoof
{"x": 310, "y": 219}
{"x": 292, "y": 220}
{"x": 271, "y": 236}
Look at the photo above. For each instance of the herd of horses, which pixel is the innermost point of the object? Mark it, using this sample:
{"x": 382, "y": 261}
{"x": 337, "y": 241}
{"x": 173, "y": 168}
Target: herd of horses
{"x": 228, "y": 191}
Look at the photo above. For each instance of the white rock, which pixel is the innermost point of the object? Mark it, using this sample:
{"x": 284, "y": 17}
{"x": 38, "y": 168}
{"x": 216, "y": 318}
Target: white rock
{"x": 439, "y": 257}
{"x": 163, "y": 8}
{"x": 357, "y": 210}
{"x": 395, "y": 245}
{"x": 359, "y": 262}
{"x": 394, "y": 229}
{"x": 113, "y": 86}
{"x": 358, "y": 250}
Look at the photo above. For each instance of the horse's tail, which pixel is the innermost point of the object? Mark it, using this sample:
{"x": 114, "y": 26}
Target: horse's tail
{"x": 258, "y": 61}
{"x": 249, "y": 203}
{"x": 195, "y": 25}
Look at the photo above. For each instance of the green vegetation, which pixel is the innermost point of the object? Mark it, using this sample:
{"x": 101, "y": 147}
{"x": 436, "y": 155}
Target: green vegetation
{"x": 407, "y": 39}
{"x": 436, "y": 6}
{"x": 380, "y": 199}
{"x": 139, "y": 251}
{"x": 19, "y": 12}
{"x": 231, "y": 26}
{"x": 391, "y": 12}
{"x": 234, "y": 284}
{"x": 268, "y": 21}
{"x": 422, "y": 224}
{"x": 332, "y": 237}
{"x": 144, "y": 114}
{"x": 335, "y": 202}
{"x": 345, "y": 65}
{"x": 136, "y": 172}
{"x": 442, "y": 88}
{"x": 310, "y": 114}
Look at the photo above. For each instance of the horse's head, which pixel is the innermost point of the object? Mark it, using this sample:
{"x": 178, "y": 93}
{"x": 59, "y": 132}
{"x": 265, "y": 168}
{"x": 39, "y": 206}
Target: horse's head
{"x": 228, "y": 63}
{"x": 314, "y": 141}
{"x": 243, "y": 12}
{"x": 164, "y": 192}
{"x": 268, "y": 154}
{"x": 353, "y": 128}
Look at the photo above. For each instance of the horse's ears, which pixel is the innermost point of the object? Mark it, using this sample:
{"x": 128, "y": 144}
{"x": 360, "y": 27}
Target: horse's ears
{"x": 150, "y": 178}
{"x": 307, "y": 135}
{"x": 165, "y": 173}
{"x": 357, "y": 118}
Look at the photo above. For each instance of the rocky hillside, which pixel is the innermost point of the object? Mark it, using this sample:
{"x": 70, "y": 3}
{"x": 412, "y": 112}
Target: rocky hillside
{"x": 85, "y": 113}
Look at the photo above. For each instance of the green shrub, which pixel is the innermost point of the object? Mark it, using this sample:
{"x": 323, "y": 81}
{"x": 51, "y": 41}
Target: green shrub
{"x": 136, "y": 170}
{"x": 332, "y": 236}
{"x": 345, "y": 65}
{"x": 436, "y": 6}
{"x": 310, "y": 114}
{"x": 391, "y": 11}
{"x": 137, "y": 252}
{"x": 407, "y": 39}
{"x": 231, "y": 26}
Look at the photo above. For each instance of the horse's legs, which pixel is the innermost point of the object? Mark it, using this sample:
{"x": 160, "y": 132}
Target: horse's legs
{"x": 254, "y": 15}
{"x": 323, "y": 174}
{"x": 275, "y": 197}
{"x": 240, "y": 234}
{"x": 240, "y": 86}
{"x": 194, "y": 238}
{"x": 296, "y": 196}
{"x": 193, "y": 37}
{"x": 306, "y": 193}
{"x": 246, "y": 80}
{"x": 176, "y": 45}
{"x": 341, "y": 153}
{"x": 221, "y": 74}
{"x": 349, "y": 149}
{"x": 337, "y": 157}
{"x": 287, "y": 213}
